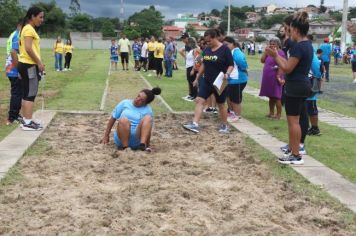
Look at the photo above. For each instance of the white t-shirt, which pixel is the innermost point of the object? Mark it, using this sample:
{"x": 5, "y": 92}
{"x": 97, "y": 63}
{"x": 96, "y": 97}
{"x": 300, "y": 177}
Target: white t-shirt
{"x": 144, "y": 50}
{"x": 124, "y": 45}
{"x": 189, "y": 59}
{"x": 235, "y": 72}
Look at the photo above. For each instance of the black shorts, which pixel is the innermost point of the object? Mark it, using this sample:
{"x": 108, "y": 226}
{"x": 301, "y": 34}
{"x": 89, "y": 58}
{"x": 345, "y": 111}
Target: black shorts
{"x": 312, "y": 108}
{"x": 124, "y": 57}
{"x": 206, "y": 89}
{"x": 143, "y": 59}
{"x": 234, "y": 92}
{"x": 29, "y": 80}
{"x": 294, "y": 105}
{"x": 353, "y": 66}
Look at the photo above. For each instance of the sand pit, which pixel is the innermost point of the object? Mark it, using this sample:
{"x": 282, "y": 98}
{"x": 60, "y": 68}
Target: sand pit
{"x": 187, "y": 186}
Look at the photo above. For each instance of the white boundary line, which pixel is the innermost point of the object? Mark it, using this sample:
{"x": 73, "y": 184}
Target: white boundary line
{"x": 105, "y": 94}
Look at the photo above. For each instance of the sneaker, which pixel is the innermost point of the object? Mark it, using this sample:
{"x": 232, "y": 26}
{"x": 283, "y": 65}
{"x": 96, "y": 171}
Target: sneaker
{"x": 215, "y": 110}
{"x": 57, "y": 70}
{"x": 20, "y": 120}
{"x": 192, "y": 127}
{"x": 354, "y": 81}
{"x": 65, "y": 69}
{"x": 233, "y": 118}
{"x": 32, "y": 126}
{"x": 209, "y": 110}
{"x": 291, "y": 159}
{"x": 285, "y": 149}
{"x": 224, "y": 129}
{"x": 313, "y": 132}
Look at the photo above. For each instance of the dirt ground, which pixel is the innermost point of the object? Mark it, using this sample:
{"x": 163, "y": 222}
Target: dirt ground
{"x": 206, "y": 184}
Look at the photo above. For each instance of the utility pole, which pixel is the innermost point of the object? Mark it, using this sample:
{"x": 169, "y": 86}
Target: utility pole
{"x": 228, "y": 17}
{"x": 344, "y": 26}
{"x": 122, "y": 13}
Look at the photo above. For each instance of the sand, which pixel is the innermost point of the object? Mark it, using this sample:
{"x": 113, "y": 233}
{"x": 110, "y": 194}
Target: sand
{"x": 206, "y": 184}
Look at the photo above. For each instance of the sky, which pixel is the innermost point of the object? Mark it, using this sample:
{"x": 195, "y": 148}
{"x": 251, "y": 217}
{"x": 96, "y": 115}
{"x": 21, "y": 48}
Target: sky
{"x": 170, "y": 8}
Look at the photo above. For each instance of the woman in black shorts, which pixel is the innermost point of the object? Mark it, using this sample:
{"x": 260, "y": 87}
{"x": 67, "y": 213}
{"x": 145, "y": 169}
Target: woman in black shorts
{"x": 216, "y": 58}
{"x": 297, "y": 86}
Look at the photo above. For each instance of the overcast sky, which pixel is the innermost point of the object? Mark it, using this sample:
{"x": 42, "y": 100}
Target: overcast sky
{"x": 170, "y": 8}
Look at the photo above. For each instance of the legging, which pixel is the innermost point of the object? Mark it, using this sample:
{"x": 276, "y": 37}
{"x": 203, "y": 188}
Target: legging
{"x": 304, "y": 122}
{"x": 151, "y": 60}
{"x": 159, "y": 67}
{"x": 68, "y": 58}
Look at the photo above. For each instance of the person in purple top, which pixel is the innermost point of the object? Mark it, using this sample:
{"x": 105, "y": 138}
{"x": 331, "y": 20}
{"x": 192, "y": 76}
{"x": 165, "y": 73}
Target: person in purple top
{"x": 272, "y": 80}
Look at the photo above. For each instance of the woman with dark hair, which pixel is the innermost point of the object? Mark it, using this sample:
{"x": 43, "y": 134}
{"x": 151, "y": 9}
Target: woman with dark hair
{"x": 237, "y": 80}
{"x": 217, "y": 59}
{"x": 68, "y": 51}
{"x": 272, "y": 80}
{"x": 190, "y": 59}
{"x": 158, "y": 57}
{"x": 30, "y": 65}
{"x": 297, "y": 86}
{"x": 58, "y": 51}
{"x": 135, "y": 122}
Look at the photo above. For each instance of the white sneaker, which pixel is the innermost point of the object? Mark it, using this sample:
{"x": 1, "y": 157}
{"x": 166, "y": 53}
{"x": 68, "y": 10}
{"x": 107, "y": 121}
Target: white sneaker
{"x": 65, "y": 69}
{"x": 354, "y": 81}
{"x": 57, "y": 70}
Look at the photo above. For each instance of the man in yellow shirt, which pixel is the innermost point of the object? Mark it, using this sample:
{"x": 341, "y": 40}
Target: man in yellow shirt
{"x": 125, "y": 51}
{"x": 30, "y": 65}
{"x": 158, "y": 57}
{"x": 58, "y": 51}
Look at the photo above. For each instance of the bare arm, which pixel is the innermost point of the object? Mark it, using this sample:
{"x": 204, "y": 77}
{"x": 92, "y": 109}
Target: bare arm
{"x": 200, "y": 73}
{"x": 14, "y": 57}
{"x": 31, "y": 53}
{"x": 263, "y": 58}
{"x": 106, "y": 137}
{"x": 182, "y": 52}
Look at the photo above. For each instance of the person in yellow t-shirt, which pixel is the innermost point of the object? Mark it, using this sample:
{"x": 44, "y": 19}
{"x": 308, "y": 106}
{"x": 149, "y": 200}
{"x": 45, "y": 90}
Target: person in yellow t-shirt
{"x": 30, "y": 65}
{"x": 158, "y": 57}
{"x": 58, "y": 51}
{"x": 68, "y": 51}
{"x": 151, "y": 49}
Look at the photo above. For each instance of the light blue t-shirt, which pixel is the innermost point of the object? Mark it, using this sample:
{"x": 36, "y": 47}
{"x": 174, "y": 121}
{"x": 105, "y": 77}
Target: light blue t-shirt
{"x": 241, "y": 63}
{"x": 353, "y": 53}
{"x": 325, "y": 56}
{"x": 315, "y": 69}
{"x": 126, "y": 109}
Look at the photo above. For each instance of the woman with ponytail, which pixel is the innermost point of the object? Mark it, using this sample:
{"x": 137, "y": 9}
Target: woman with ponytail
{"x": 30, "y": 65}
{"x": 297, "y": 84}
{"x": 135, "y": 122}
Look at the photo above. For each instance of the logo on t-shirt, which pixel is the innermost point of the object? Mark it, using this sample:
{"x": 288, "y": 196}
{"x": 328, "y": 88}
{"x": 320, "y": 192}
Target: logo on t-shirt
{"x": 210, "y": 58}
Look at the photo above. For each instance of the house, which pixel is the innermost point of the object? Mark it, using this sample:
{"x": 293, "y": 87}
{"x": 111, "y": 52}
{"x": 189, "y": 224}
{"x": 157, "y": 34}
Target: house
{"x": 351, "y": 30}
{"x": 172, "y": 31}
{"x": 206, "y": 19}
{"x": 267, "y": 34}
{"x": 283, "y": 10}
{"x": 244, "y": 33}
{"x": 321, "y": 29}
{"x": 270, "y": 9}
{"x": 252, "y": 17}
{"x": 312, "y": 11}
{"x": 183, "y": 19}
{"x": 200, "y": 29}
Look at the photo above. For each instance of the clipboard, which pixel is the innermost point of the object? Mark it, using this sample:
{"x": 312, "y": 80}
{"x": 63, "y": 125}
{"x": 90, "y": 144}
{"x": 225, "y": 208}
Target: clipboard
{"x": 220, "y": 83}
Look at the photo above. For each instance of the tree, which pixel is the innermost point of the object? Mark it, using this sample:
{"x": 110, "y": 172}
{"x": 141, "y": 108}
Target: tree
{"x": 191, "y": 31}
{"x": 55, "y": 19}
{"x": 147, "y": 22}
{"x": 215, "y": 12}
{"x": 336, "y": 15}
{"x": 268, "y": 22}
{"x": 260, "y": 39}
{"x": 10, "y": 13}
{"x": 81, "y": 23}
{"x": 108, "y": 29}
{"x": 212, "y": 23}
{"x": 352, "y": 13}
{"x": 74, "y": 7}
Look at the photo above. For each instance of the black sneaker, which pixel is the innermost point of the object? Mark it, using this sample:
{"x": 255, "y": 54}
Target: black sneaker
{"x": 291, "y": 159}
{"x": 142, "y": 147}
{"x": 20, "y": 120}
{"x": 209, "y": 110}
{"x": 32, "y": 126}
{"x": 313, "y": 132}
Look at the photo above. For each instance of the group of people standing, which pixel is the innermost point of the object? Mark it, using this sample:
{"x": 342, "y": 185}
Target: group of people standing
{"x": 149, "y": 54}
{"x": 61, "y": 50}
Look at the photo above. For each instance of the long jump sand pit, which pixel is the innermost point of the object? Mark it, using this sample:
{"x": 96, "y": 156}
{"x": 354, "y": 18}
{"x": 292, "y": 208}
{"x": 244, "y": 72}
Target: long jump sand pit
{"x": 206, "y": 184}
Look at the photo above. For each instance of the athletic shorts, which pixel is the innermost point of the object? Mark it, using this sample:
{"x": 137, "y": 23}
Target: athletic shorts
{"x": 294, "y": 105}
{"x": 312, "y": 108}
{"x": 143, "y": 59}
{"x": 29, "y": 80}
{"x": 234, "y": 92}
{"x": 206, "y": 89}
{"x": 137, "y": 57}
{"x": 134, "y": 142}
{"x": 353, "y": 66}
{"x": 114, "y": 58}
{"x": 124, "y": 57}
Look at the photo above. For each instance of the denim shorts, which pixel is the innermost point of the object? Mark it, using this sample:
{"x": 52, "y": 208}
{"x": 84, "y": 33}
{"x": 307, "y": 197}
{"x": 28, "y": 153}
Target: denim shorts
{"x": 134, "y": 141}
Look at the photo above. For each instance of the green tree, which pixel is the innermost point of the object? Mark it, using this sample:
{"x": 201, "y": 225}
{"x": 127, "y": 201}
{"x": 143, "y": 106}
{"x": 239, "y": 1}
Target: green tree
{"x": 352, "y": 13}
{"x": 215, "y": 12}
{"x": 74, "y": 7}
{"x": 269, "y": 21}
{"x": 81, "y": 23}
{"x": 191, "y": 31}
{"x": 10, "y": 13}
{"x": 55, "y": 19}
{"x": 147, "y": 22}
{"x": 108, "y": 29}
{"x": 212, "y": 23}
{"x": 336, "y": 15}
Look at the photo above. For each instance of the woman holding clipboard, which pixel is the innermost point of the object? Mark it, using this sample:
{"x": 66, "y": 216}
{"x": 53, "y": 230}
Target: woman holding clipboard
{"x": 217, "y": 58}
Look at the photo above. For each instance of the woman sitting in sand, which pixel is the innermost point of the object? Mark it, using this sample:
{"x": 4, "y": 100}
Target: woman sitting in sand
{"x": 135, "y": 121}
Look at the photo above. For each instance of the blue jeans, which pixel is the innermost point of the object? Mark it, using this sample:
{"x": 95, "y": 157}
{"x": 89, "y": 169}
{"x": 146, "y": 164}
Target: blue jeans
{"x": 58, "y": 61}
{"x": 168, "y": 66}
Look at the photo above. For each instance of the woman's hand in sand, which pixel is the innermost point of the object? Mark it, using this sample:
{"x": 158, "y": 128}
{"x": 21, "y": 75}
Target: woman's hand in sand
{"x": 105, "y": 139}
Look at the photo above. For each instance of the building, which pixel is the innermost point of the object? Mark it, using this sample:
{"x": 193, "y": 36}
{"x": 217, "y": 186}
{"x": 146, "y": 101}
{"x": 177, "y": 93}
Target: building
{"x": 244, "y": 33}
{"x": 183, "y": 19}
{"x": 270, "y": 9}
{"x": 283, "y": 10}
{"x": 206, "y": 19}
{"x": 322, "y": 29}
{"x": 172, "y": 31}
{"x": 267, "y": 34}
{"x": 252, "y": 17}
{"x": 312, "y": 11}
{"x": 200, "y": 29}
